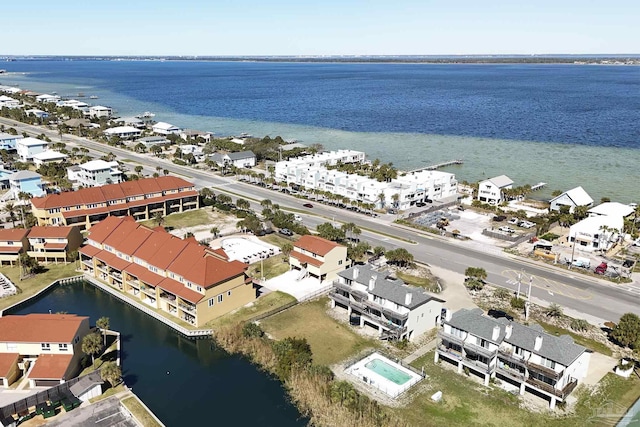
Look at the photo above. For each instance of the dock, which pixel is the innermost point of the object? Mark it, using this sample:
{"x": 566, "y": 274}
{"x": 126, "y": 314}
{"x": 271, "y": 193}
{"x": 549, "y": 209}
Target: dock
{"x": 538, "y": 186}
{"x": 438, "y": 166}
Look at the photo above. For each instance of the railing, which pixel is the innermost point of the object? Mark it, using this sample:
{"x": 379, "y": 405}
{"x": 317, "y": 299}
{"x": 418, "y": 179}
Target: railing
{"x": 189, "y": 308}
{"x": 372, "y": 305}
{"x": 450, "y": 337}
{"x": 508, "y": 356}
{"x": 477, "y": 364}
{"x": 149, "y": 311}
{"x": 512, "y": 372}
{"x": 544, "y": 370}
{"x": 480, "y": 350}
{"x": 561, "y": 393}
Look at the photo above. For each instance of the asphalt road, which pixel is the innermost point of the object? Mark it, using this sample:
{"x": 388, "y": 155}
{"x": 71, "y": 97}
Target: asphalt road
{"x": 594, "y": 297}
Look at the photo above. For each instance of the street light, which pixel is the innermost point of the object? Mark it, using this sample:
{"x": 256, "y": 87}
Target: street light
{"x": 573, "y": 250}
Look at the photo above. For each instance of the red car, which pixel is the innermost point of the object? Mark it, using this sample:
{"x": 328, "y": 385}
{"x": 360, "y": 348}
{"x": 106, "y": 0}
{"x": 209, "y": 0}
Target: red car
{"x": 308, "y": 205}
{"x": 602, "y": 268}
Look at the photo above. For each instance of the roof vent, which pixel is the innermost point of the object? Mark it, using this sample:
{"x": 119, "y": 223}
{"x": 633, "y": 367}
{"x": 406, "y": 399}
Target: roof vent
{"x": 508, "y": 329}
{"x": 372, "y": 282}
{"x": 408, "y": 298}
{"x": 356, "y": 271}
{"x": 496, "y": 333}
{"x": 538, "y": 343}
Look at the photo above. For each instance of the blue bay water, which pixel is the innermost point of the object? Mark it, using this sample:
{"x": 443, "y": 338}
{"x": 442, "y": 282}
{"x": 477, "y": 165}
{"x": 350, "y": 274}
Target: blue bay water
{"x": 565, "y": 125}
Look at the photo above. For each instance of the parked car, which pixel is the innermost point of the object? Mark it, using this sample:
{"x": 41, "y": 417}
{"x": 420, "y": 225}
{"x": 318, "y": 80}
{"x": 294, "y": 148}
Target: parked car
{"x": 513, "y": 221}
{"x": 308, "y": 205}
{"x": 526, "y": 224}
{"x": 496, "y": 314}
{"x": 581, "y": 262}
{"x": 499, "y": 218}
{"x": 601, "y": 269}
{"x": 297, "y": 217}
{"x": 507, "y": 229}
{"x": 286, "y": 232}
{"x": 421, "y": 204}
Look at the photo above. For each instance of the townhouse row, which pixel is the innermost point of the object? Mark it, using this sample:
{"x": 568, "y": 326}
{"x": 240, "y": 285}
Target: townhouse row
{"x": 141, "y": 199}
{"x": 189, "y": 281}
{"x": 44, "y": 244}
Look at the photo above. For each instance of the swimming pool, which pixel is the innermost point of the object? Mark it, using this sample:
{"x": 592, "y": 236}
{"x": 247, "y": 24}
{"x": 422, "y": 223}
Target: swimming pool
{"x": 383, "y": 374}
{"x": 381, "y": 367}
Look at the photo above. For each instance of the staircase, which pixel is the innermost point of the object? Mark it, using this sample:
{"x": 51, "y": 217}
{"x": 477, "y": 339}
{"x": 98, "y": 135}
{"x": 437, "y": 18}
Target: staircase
{"x": 302, "y": 274}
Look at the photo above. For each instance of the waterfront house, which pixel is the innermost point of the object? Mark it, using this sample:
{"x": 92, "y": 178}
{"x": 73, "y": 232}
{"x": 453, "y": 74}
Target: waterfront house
{"x": 140, "y": 199}
{"x": 73, "y": 103}
{"x": 163, "y": 128}
{"x": 8, "y": 142}
{"x": 318, "y": 257}
{"x": 48, "y": 156}
{"x": 131, "y": 121}
{"x": 100, "y": 111}
{"x": 377, "y": 300}
{"x": 601, "y": 229}
{"x": 524, "y": 356}
{"x": 613, "y": 209}
{"x": 53, "y": 244}
{"x": 46, "y": 98}
{"x": 571, "y": 198}
{"x": 26, "y": 182}
{"x": 191, "y": 134}
{"x": 27, "y": 147}
{"x": 45, "y": 347}
{"x": 492, "y": 190}
{"x": 123, "y": 132}
{"x": 180, "y": 277}
{"x": 96, "y": 173}
{"x": 13, "y": 241}
{"x": 240, "y": 159}
{"x": 8, "y": 102}
{"x": 37, "y": 113}
{"x": 150, "y": 141}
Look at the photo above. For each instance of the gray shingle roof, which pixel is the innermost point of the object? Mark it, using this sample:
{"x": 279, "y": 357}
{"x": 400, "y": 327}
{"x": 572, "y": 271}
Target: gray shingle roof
{"x": 501, "y": 181}
{"x": 24, "y": 175}
{"x": 560, "y": 349}
{"x": 394, "y": 290}
{"x": 241, "y": 155}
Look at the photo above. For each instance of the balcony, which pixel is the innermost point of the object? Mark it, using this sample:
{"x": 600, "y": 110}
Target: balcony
{"x": 170, "y": 298}
{"x": 450, "y": 338}
{"x": 511, "y": 372}
{"x": 476, "y": 349}
{"x": 449, "y": 352}
{"x": 476, "y": 364}
{"x": 547, "y": 372}
{"x": 149, "y": 291}
{"x": 510, "y": 357}
{"x": 548, "y": 388}
{"x": 187, "y": 307}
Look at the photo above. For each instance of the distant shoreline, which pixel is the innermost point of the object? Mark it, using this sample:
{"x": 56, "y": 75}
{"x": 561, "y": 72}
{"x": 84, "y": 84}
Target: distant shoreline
{"x": 630, "y": 59}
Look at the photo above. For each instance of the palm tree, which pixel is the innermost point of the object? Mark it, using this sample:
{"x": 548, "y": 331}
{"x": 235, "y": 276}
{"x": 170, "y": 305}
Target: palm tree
{"x": 243, "y": 204}
{"x": 111, "y": 372}
{"x": 286, "y": 249}
{"x": 11, "y": 210}
{"x": 158, "y": 218}
{"x": 381, "y": 199}
{"x": 215, "y": 231}
{"x": 396, "y": 200}
{"x": 92, "y": 345}
{"x": 103, "y": 324}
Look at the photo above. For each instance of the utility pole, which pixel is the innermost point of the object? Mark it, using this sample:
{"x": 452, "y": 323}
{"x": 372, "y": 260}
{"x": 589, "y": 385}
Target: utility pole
{"x": 527, "y": 304}
{"x": 519, "y": 282}
{"x": 573, "y": 251}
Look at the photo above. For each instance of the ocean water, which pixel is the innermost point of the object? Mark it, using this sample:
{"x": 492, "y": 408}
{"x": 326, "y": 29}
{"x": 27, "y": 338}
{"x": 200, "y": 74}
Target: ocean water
{"x": 565, "y": 125}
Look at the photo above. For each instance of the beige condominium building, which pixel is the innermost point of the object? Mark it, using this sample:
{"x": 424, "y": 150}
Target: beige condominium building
{"x": 318, "y": 257}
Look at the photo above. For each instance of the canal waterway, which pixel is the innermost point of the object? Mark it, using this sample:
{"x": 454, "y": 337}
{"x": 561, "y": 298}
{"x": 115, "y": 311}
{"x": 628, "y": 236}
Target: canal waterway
{"x": 185, "y": 382}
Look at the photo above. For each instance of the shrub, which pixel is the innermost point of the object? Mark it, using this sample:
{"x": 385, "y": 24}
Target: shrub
{"x": 517, "y": 303}
{"x": 473, "y": 284}
{"x": 549, "y": 236}
{"x": 252, "y": 330}
{"x": 554, "y": 310}
{"x": 579, "y": 325}
{"x": 402, "y": 344}
{"x": 501, "y": 293}
{"x": 627, "y": 331}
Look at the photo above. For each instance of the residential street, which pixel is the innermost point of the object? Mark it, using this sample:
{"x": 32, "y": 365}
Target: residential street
{"x": 601, "y": 300}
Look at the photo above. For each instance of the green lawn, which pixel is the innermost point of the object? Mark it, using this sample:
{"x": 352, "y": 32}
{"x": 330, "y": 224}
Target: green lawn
{"x": 466, "y": 402}
{"x": 420, "y": 282}
{"x": 276, "y": 239}
{"x": 579, "y": 339}
{"x": 273, "y": 266}
{"x": 262, "y": 305}
{"x": 330, "y": 341}
{"x": 184, "y": 219}
{"x": 139, "y": 412}
{"x": 32, "y": 285}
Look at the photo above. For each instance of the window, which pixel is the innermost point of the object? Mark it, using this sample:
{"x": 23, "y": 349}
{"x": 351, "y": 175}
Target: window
{"x": 199, "y": 288}
{"x": 220, "y": 298}
{"x": 45, "y": 347}
{"x": 12, "y": 347}
{"x": 211, "y": 301}
{"x": 228, "y": 293}
{"x": 519, "y": 351}
{"x": 457, "y": 332}
{"x": 63, "y": 347}
{"x": 339, "y": 262}
{"x": 76, "y": 340}
{"x": 547, "y": 362}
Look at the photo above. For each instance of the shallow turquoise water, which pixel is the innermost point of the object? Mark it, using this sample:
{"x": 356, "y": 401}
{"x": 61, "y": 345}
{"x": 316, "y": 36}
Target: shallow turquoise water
{"x": 391, "y": 373}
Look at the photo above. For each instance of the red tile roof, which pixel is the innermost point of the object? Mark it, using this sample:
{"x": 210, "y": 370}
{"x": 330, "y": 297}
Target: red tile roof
{"x": 49, "y": 232}
{"x": 144, "y": 274}
{"x": 111, "y": 192}
{"x": 89, "y": 250}
{"x": 315, "y": 244}
{"x": 7, "y": 362}
{"x": 179, "y": 289}
{"x": 12, "y": 234}
{"x": 10, "y": 249}
{"x": 104, "y": 228}
{"x": 51, "y": 366}
{"x": 40, "y": 328}
{"x": 112, "y": 260}
{"x": 306, "y": 259}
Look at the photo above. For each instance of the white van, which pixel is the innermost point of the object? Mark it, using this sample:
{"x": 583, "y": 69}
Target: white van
{"x": 297, "y": 217}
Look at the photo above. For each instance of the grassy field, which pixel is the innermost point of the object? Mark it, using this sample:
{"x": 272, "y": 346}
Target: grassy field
{"x": 276, "y": 239}
{"x": 184, "y": 219}
{"x": 140, "y": 412}
{"x": 330, "y": 341}
{"x": 579, "y": 339}
{"x": 420, "y": 282}
{"x": 262, "y": 305}
{"x": 273, "y": 266}
{"x": 32, "y": 285}
{"x": 466, "y": 402}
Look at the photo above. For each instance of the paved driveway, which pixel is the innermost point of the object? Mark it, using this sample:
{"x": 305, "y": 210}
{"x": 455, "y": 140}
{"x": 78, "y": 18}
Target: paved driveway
{"x": 289, "y": 284}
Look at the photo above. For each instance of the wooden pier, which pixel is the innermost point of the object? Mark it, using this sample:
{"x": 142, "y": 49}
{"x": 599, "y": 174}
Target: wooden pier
{"x": 538, "y": 186}
{"x": 438, "y": 166}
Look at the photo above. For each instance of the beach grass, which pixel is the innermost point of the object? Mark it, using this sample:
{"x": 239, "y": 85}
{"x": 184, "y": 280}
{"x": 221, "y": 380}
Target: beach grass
{"x": 273, "y": 267}
{"x": 589, "y": 343}
{"x": 35, "y": 283}
{"x": 331, "y": 341}
{"x": 184, "y": 219}
{"x": 467, "y": 402}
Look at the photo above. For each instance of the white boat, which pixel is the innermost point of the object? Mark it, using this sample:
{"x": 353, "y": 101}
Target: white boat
{"x": 93, "y": 97}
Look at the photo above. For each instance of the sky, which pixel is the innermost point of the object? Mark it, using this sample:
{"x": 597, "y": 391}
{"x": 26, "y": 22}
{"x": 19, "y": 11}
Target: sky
{"x": 327, "y": 27}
